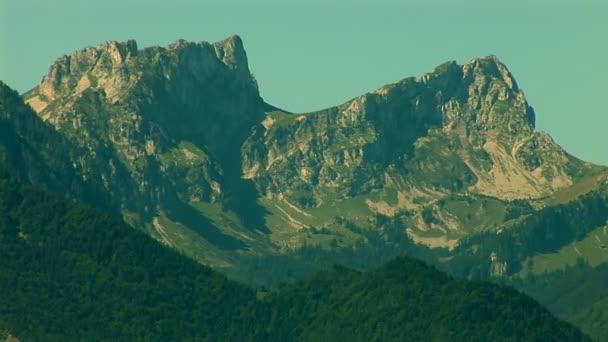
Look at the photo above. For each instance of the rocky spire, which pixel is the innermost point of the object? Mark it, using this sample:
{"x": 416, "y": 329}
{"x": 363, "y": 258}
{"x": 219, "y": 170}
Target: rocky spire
{"x": 232, "y": 53}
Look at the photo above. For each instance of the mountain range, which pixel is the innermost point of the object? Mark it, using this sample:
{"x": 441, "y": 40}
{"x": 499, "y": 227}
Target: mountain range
{"x": 446, "y": 167}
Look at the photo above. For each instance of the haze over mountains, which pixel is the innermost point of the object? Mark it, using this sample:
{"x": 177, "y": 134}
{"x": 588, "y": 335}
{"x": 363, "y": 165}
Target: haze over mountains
{"x": 446, "y": 167}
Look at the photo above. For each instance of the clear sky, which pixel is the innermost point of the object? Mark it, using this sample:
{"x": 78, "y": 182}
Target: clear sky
{"x": 312, "y": 54}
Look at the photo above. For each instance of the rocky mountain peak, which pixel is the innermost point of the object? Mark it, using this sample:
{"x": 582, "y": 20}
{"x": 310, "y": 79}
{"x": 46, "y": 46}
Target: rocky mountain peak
{"x": 162, "y": 124}
{"x": 482, "y": 95}
{"x": 491, "y": 66}
{"x": 232, "y": 53}
{"x": 490, "y": 90}
{"x": 120, "y": 51}
{"x": 67, "y": 71}
{"x": 115, "y": 67}
{"x": 202, "y": 59}
{"x": 446, "y": 71}
{"x": 471, "y": 119}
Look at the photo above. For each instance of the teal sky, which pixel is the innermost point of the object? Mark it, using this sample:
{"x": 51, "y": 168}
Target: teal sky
{"x": 314, "y": 54}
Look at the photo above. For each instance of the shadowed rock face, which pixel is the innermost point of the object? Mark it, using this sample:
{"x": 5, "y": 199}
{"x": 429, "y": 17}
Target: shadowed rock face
{"x": 179, "y": 141}
{"x": 173, "y": 118}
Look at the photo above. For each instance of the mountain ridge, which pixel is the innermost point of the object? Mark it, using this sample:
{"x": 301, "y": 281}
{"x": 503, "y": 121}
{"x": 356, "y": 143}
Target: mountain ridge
{"x": 382, "y": 143}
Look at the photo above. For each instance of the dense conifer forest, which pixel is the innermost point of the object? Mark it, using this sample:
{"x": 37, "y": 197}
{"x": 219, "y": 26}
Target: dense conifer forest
{"x": 71, "y": 272}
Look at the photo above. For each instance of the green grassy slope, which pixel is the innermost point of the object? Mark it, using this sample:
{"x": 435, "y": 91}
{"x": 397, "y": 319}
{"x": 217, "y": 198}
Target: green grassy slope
{"x": 71, "y": 272}
{"x": 576, "y": 293}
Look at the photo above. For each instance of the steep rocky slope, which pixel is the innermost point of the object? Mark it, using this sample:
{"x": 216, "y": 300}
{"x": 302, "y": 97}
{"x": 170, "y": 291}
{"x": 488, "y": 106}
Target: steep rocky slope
{"x": 171, "y": 120}
{"x": 180, "y": 142}
{"x": 473, "y": 116}
{"x": 450, "y": 151}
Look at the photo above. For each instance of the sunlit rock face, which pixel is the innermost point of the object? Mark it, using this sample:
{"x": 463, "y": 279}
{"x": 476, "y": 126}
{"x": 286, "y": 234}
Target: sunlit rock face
{"x": 458, "y": 128}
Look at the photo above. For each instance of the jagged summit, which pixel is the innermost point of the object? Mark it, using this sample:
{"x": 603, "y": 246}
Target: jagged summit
{"x": 492, "y": 65}
{"x": 491, "y": 58}
{"x": 471, "y": 119}
{"x": 481, "y": 67}
{"x": 481, "y": 82}
{"x": 183, "y": 73}
{"x": 119, "y": 51}
{"x": 108, "y": 56}
{"x": 232, "y": 52}
{"x": 229, "y": 51}
{"x": 115, "y": 67}
{"x": 172, "y": 118}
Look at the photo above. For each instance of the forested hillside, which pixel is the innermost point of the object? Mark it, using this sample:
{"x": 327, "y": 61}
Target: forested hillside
{"x": 577, "y": 294}
{"x": 68, "y": 271}
{"x": 71, "y": 272}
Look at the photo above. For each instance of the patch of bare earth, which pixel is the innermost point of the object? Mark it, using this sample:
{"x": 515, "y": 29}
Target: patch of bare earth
{"x": 161, "y": 231}
{"x": 37, "y": 103}
{"x": 433, "y": 242}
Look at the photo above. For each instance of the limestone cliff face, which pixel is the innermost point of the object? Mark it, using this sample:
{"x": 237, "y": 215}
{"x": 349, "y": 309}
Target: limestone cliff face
{"x": 76, "y": 72}
{"x": 161, "y": 126}
{"x": 458, "y": 128}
